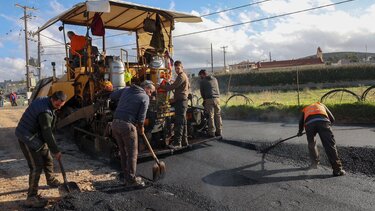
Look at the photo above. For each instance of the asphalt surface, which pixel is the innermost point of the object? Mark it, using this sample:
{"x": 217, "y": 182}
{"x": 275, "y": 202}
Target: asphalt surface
{"x": 234, "y": 178}
{"x": 221, "y": 176}
{"x": 355, "y": 144}
{"x": 231, "y": 175}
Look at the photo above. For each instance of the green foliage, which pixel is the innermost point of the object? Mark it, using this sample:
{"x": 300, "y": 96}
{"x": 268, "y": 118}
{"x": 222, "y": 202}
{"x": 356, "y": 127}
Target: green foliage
{"x": 314, "y": 75}
{"x": 344, "y": 113}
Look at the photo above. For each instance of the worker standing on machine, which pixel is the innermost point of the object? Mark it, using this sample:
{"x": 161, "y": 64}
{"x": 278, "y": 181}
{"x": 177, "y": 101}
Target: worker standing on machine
{"x": 182, "y": 89}
{"x": 77, "y": 47}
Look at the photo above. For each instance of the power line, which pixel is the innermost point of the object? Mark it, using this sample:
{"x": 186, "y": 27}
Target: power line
{"x": 52, "y": 39}
{"x": 234, "y": 8}
{"x": 262, "y": 19}
{"x": 117, "y": 46}
{"x": 114, "y": 35}
{"x": 25, "y": 18}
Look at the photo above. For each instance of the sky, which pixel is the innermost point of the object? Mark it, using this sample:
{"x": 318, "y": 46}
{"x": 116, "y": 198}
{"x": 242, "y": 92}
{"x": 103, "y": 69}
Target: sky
{"x": 344, "y": 27}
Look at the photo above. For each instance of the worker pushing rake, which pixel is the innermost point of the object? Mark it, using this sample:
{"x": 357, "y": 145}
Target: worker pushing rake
{"x": 316, "y": 119}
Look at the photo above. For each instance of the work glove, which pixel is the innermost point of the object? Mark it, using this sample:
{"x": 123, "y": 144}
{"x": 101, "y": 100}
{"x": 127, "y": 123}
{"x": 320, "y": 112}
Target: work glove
{"x": 140, "y": 129}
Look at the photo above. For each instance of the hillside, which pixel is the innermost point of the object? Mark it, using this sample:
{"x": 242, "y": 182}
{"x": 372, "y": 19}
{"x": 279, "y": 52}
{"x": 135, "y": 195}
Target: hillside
{"x": 334, "y": 57}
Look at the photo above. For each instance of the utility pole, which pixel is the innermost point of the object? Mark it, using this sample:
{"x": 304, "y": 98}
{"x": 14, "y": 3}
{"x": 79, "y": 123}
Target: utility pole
{"x": 25, "y": 17}
{"x": 39, "y": 57}
{"x": 270, "y": 56}
{"x": 212, "y": 60}
{"x": 225, "y": 64}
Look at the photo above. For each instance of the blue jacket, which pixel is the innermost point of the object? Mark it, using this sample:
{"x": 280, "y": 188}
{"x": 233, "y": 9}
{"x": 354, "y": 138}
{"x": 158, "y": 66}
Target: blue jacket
{"x": 133, "y": 104}
{"x": 28, "y": 129}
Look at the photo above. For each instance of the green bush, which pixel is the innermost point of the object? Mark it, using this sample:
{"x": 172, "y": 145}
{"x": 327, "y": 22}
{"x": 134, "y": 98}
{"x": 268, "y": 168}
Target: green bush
{"x": 356, "y": 113}
{"x": 323, "y": 75}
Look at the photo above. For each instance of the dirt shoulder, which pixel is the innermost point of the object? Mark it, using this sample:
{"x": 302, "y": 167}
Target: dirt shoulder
{"x": 101, "y": 188}
{"x": 14, "y": 170}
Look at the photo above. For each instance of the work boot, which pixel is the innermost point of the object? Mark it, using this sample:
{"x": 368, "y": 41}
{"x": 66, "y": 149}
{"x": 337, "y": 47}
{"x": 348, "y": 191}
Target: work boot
{"x": 185, "y": 142}
{"x": 136, "y": 182}
{"x": 53, "y": 183}
{"x": 175, "y": 146}
{"x": 36, "y": 202}
{"x": 339, "y": 173}
{"x": 313, "y": 165}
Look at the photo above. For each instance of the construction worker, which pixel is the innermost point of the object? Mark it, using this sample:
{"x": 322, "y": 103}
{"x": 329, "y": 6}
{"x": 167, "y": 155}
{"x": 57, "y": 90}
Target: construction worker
{"x": 317, "y": 118}
{"x": 13, "y": 98}
{"x": 128, "y": 120}
{"x": 37, "y": 142}
{"x": 77, "y": 46}
{"x": 1, "y": 99}
{"x": 209, "y": 89}
{"x": 128, "y": 78}
{"x": 180, "y": 102}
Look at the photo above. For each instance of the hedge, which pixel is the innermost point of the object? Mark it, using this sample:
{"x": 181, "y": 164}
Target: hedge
{"x": 324, "y": 75}
{"x": 357, "y": 113}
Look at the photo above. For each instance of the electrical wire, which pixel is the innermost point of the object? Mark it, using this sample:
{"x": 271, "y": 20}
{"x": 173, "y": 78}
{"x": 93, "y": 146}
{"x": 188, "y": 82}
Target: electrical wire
{"x": 262, "y": 19}
{"x": 235, "y": 8}
{"x": 51, "y": 39}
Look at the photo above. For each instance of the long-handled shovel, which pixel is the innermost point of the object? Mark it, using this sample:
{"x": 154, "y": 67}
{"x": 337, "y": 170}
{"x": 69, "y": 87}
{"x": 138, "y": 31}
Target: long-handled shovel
{"x": 265, "y": 150}
{"x": 68, "y": 186}
{"x": 158, "y": 170}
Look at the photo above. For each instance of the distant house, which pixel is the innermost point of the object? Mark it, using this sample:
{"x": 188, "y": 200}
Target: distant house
{"x": 312, "y": 61}
{"x": 317, "y": 61}
{"x": 343, "y": 62}
{"x": 243, "y": 65}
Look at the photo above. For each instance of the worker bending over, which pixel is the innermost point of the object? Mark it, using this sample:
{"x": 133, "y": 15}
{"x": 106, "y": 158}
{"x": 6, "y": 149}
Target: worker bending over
{"x": 317, "y": 118}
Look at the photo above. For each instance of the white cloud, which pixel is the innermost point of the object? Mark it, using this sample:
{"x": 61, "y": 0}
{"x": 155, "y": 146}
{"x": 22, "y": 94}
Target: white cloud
{"x": 12, "y": 68}
{"x": 289, "y": 37}
{"x": 172, "y": 5}
{"x": 57, "y": 7}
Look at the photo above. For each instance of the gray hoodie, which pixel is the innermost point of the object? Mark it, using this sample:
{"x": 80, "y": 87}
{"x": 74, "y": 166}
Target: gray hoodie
{"x": 133, "y": 104}
{"x": 209, "y": 88}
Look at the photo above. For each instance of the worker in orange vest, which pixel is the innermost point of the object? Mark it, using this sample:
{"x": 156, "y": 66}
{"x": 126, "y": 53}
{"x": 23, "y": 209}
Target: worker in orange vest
{"x": 77, "y": 47}
{"x": 317, "y": 118}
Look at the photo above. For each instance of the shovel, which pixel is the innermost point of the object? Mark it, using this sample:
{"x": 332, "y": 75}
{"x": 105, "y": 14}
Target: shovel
{"x": 158, "y": 170}
{"x": 265, "y": 150}
{"x": 68, "y": 186}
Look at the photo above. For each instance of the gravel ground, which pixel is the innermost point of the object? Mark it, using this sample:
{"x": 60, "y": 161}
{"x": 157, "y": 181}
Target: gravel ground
{"x": 355, "y": 159}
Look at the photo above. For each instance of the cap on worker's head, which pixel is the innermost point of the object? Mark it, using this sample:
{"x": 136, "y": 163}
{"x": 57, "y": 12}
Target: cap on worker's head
{"x": 70, "y": 32}
{"x": 59, "y": 95}
{"x": 147, "y": 83}
{"x": 202, "y": 72}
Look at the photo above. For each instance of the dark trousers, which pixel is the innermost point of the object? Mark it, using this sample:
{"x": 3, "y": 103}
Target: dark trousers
{"x": 37, "y": 162}
{"x": 126, "y": 137}
{"x": 180, "y": 124}
{"x": 328, "y": 142}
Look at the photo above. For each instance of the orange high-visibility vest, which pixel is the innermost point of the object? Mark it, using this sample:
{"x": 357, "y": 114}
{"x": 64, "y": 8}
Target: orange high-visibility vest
{"x": 77, "y": 43}
{"x": 314, "y": 109}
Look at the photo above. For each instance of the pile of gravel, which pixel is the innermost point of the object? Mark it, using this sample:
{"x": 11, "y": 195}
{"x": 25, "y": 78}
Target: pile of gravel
{"x": 354, "y": 159}
{"x": 153, "y": 197}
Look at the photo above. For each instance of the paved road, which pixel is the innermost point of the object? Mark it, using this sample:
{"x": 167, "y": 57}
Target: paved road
{"x": 268, "y": 131}
{"x": 234, "y": 178}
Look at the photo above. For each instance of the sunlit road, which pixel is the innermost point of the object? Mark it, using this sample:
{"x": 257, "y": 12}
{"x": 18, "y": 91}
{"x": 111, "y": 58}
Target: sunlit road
{"x": 222, "y": 176}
